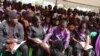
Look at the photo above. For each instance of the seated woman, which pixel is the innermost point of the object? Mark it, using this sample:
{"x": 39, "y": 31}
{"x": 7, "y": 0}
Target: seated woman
{"x": 35, "y": 36}
{"x": 81, "y": 41}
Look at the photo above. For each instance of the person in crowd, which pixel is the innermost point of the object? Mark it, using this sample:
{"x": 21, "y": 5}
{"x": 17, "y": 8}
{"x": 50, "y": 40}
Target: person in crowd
{"x": 96, "y": 26}
{"x": 60, "y": 33}
{"x": 12, "y": 28}
{"x": 24, "y": 21}
{"x": 55, "y": 50}
{"x": 1, "y": 17}
{"x": 47, "y": 25}
{"x": 81, "y": 41}
{"x": 35, "y": 31}
{"x": 97, "y": 46}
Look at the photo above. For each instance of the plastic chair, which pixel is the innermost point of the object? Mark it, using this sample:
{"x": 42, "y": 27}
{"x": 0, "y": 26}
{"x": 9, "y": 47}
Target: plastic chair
{"x": 1, "y": 53}
{"x": 30, "y": 51}
{"x": 5, "y": 53}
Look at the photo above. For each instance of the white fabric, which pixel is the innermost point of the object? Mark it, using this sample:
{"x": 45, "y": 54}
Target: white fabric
{"x": 83, "y": 45}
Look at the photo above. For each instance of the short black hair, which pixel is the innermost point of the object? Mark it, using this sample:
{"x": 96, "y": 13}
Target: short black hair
{"x": 62, "y": 21}
{"x": 59, "y": 45}
{"x": 35, "y": 19}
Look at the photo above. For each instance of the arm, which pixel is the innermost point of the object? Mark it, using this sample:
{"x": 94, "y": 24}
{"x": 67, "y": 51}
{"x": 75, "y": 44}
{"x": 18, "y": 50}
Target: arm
{"x": 30, "y": 33}
{"x": 73, "y": 38}
{"x": 10, "y": 44}
{"x": 67, "y": 40}
{"x": 87, "y": 42}
{"x": 44, "y": 47}
{"x": 35, "y": 40}
{"x": 20, "y": 34}
{"x": 46, "y": 39}
{"x": 73, "y": 35}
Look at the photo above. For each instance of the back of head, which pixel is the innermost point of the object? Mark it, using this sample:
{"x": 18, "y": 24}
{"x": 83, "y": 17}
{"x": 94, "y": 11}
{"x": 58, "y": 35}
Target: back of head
{"x": 57, "y": 49}
{"x": 58, "y": 45}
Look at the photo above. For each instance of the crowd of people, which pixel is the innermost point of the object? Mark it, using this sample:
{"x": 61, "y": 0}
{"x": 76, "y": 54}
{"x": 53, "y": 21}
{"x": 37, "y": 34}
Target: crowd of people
{"x": 49, "y": 31}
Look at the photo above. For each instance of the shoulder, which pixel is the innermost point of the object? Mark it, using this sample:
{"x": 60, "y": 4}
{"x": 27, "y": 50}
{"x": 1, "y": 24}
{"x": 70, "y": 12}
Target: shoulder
{"x": 4, "y": 23}
{"x": 55, "y": 28}
{"x": 19, "y": 25}
{"x": 31, "y": 27}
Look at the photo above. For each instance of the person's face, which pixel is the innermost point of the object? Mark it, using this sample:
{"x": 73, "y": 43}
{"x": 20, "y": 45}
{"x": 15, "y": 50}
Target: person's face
{"x": 63, "y": 24}
{"x": 48, "y": 20}
{"x": 38, "y": 23}
{"x": 83, "y": 30}
{"x": 14, "y": 21}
